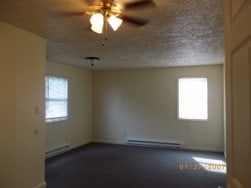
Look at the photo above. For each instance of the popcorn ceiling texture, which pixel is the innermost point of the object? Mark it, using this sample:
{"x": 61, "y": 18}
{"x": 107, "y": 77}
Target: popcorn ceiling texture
{"x": 180, "y": 33}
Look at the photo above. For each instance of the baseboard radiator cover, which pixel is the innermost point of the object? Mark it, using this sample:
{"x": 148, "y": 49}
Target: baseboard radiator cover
{"x": 156, "y": 144}
{"x": 57, "y": 151}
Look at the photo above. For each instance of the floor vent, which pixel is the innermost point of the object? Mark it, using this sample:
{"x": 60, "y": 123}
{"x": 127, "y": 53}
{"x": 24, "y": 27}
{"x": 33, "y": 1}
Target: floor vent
{"x": 57, "y": 151}
{"x": 153, "y": 144}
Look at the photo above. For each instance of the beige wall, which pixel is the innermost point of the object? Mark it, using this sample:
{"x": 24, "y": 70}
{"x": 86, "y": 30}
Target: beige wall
{"x": 139, "y": 104}
{"x": 142, "y": 104}
{"x": 22, "y": 61}
{"x": 77, "y": 130}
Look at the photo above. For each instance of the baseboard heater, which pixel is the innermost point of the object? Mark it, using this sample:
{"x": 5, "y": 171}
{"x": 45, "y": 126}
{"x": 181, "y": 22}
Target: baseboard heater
{"x": 144, "y": 143}
{"x": 57, "y": 151}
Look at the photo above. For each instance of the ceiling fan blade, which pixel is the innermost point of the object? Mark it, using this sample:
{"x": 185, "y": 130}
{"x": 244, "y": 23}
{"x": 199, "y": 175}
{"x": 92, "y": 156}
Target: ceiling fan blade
{"x": 59, "y": 14}
{"x": 134, "y": 21}
{"x": 139, "y": 4}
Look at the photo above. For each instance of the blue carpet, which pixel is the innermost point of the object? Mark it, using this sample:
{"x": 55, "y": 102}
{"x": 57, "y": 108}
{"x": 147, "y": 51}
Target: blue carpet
{"x": 119, "y": 166}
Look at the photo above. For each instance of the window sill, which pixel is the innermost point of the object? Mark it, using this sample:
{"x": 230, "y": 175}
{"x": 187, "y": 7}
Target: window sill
{"x": 52, "y": 120}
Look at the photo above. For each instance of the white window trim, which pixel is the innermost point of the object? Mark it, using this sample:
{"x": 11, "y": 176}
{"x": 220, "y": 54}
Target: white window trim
{"x": 63, "y": 118}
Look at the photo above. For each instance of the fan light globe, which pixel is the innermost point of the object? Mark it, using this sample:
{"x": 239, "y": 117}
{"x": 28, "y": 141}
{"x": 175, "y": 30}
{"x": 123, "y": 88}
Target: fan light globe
{"x": 97, "y": 22}
{"x": 114, "y": 22}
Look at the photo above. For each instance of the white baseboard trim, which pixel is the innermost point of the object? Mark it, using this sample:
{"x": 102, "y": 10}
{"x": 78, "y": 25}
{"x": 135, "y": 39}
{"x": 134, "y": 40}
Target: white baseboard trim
{"x": 56, "y": 147}
{"x": 41, "y": 185}
{"x": 73, "y": 146}
{"x": 237, "y": 183}
{"x": 57, "y": 151}
{"x": 203, "y": 149}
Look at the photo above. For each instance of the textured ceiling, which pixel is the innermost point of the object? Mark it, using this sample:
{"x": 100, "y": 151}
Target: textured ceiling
{"x": 180, "y": 33}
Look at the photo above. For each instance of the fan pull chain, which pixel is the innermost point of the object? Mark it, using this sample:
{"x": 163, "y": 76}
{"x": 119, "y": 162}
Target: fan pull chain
{"x": 105, "y": 33}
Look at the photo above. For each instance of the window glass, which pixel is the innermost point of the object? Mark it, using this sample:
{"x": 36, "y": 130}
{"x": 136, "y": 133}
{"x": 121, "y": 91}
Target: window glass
{"x": 193, "y": 99}
{"x": 56, "y": 92}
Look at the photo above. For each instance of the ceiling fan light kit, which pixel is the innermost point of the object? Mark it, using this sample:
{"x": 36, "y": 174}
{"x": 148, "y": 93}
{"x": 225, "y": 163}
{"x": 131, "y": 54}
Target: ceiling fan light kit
{"x": 97, "y": 22}
{"x": 107, "y": 12}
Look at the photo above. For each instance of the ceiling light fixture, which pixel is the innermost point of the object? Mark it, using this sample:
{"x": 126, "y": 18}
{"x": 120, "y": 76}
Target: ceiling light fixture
{"x": 92, "y": 60}
{"x": 102, "y": 15}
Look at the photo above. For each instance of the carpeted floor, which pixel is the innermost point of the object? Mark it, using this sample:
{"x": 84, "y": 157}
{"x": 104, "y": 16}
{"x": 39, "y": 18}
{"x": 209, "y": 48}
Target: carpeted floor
{"x": 118, "y": 166}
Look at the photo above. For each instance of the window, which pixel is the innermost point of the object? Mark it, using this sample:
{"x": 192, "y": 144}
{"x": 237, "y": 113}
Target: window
{"x": 193, "y": 99}
{"x": 56, "y": 93}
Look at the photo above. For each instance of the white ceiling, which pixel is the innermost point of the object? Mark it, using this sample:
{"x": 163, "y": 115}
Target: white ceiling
{"x": 180, "y": 33}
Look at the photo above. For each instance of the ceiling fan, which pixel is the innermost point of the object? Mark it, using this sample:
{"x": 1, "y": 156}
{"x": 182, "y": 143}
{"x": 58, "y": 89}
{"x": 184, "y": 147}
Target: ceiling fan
{"x": 108, "y": 12}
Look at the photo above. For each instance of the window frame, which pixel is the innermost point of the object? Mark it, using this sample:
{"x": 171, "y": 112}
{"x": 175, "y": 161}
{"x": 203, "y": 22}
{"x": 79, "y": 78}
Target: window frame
{"x": 178, "y": 101}
{"x": 62, "y": 118}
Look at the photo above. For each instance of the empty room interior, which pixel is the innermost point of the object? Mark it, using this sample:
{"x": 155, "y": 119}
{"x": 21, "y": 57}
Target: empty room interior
{"x": 146, "y": 98}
